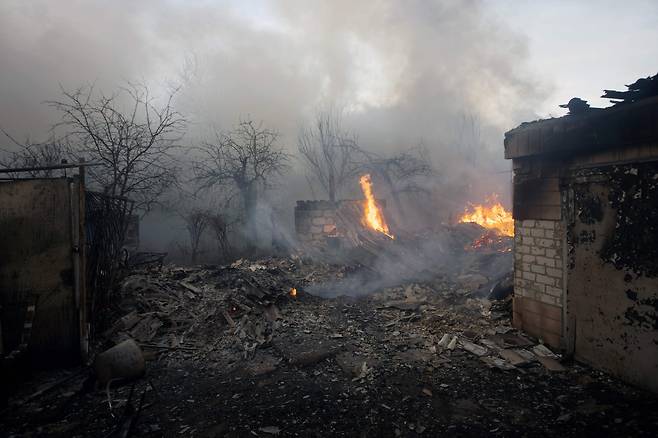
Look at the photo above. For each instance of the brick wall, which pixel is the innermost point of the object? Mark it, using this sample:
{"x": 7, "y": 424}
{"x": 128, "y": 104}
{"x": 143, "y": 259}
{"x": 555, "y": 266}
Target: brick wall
{"x": 538, "y": 260}
{"x": 315, "y": 220}
{"x": 539, "y": 266}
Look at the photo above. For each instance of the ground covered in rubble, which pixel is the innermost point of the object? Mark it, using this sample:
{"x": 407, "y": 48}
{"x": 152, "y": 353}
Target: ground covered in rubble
{"x": 231, "y": 352}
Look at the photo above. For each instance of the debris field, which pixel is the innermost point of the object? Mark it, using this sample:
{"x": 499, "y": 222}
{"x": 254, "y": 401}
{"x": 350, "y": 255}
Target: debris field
{"x": 245, "y": 350}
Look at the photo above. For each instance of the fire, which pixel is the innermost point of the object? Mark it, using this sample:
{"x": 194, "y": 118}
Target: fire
{"x": 293, "y": 291}
{"x": 490, "y": 240}
{"x": 491, "y": 215}
{"x": 372, "y": 215}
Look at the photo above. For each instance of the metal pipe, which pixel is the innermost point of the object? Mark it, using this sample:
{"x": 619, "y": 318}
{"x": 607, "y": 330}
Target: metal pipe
{"x": 53, "y": 167}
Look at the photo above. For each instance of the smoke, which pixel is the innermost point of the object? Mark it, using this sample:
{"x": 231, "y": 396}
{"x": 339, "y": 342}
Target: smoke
{"x": 442, "y": 73}
{"x": 440, "y": 255}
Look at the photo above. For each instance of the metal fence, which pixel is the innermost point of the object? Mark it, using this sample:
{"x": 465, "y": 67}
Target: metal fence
{"x": 107, "y": 219}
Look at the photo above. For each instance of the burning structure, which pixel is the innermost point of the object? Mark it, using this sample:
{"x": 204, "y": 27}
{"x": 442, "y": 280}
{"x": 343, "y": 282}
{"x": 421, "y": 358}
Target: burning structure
{"x": 495, "y": 219}
{"x": 491, "y": 215}
{"x": 321, "y": 222}
{"x": 586, "y": 237}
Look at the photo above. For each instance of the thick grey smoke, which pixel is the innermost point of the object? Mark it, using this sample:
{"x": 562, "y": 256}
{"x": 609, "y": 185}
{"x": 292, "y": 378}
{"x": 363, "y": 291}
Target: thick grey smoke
{"x": 443, "y": 73}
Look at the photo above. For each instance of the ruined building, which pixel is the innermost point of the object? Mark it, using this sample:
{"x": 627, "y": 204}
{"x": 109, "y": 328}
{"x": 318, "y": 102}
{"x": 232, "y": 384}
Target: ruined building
{"x": 586, "y": 236}
{"x": 330, "y": 223}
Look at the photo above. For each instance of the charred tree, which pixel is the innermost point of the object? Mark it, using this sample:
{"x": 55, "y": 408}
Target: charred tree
{"x": 196, "y": 222}
{"x": 219, "y": 227}
{"x": 245, "y": 160}
{"x": 327, "y": 150}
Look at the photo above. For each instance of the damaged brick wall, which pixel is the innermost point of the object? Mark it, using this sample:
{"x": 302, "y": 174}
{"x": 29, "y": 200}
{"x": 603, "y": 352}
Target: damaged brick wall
{"x": 315, "y": 220}
{"x": 595, "y": 178}
{"x": 539, "y": 278}
{"x": 539, "y": 256}
{"x": 539, "y": 266}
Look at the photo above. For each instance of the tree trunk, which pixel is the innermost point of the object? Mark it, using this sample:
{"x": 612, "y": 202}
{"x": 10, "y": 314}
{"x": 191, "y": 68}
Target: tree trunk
{"x": 332, "y": 189}
{"x": 249, "y": 198}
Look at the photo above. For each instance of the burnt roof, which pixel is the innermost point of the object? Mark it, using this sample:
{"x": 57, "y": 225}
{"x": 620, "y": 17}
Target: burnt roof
{"x": 614, "y": 127}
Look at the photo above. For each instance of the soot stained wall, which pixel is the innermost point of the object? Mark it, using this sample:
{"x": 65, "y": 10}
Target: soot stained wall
{"x": 612, "y": 291}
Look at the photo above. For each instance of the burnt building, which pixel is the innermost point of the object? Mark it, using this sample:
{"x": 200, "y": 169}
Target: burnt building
{"x": 586, "y": 236}
{"x": 319, "y": 222}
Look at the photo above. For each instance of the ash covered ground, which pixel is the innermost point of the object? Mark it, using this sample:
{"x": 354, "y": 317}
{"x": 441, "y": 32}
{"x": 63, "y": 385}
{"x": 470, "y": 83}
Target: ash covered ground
{"x": 230, "y": 352}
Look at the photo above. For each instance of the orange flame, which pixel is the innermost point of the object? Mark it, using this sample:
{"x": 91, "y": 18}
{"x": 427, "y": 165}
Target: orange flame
{"x": 491, "y": 215}
{"x": 372, "y": 215}
{"x": 490, "y": 240}
{"x": 293, "y": 291}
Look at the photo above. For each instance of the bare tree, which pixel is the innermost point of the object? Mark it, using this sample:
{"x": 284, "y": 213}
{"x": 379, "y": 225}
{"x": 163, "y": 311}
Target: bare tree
{"x": 219, "y": 227}
{"x": 196, "y": 222}
{"x": 403, "y": 172}
{"x": 131, "y": 136}
{"x": 327, "y": 151}
{"x": 246, "y": 159}
{"x": 31, "y": 155}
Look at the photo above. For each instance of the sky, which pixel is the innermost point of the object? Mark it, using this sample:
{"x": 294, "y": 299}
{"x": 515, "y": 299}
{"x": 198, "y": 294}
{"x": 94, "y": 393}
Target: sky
{"x": 561, "y": 49}
{"x": 452, "y": 75}
{"x": 578, "y": 48}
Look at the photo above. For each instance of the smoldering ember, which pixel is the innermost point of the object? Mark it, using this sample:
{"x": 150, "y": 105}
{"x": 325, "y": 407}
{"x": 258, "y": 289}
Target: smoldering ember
{"x": 371, "y": 219}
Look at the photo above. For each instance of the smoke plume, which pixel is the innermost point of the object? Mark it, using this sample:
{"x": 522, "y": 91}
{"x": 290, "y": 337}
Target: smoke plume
{"x": 444, "y": 74}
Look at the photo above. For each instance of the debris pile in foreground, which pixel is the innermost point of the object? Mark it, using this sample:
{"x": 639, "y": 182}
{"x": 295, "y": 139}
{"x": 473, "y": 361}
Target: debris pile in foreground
{"x": 230, "y": 352}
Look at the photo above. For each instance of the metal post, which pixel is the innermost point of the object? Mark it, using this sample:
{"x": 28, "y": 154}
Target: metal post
{"x": 82, "y": 254}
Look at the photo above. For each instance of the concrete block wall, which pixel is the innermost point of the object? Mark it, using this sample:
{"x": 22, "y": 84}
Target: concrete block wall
{"x": 315, "y": 220}
{"x": 539, "y": 278}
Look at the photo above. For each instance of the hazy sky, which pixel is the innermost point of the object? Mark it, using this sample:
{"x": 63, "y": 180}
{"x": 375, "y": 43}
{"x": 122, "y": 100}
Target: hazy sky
{"x": 580, "y": 47}
{"x": 453, "y": 75}
{"x": 406, "y": 71}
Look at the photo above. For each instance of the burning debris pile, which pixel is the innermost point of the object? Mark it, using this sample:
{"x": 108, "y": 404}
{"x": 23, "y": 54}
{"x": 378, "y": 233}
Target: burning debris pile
{"x": 497, "y": 222}
{"x": 478, "y": 246}
{"x": 343, "y": 224}
{"x": 357, "y": 233}
{"x": 373, "y": 217}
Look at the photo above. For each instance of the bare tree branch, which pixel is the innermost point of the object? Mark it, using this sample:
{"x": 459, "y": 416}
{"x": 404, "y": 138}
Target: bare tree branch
{"x": 135, "y": 142}
{"x": 403, "y": 172}
{"x": 327, "y": 150}
{"x": 196, "y": 222}
{"x": 246, "y": 158}
{"x": 51, "y": 152}
{"x": 219, "y": 227}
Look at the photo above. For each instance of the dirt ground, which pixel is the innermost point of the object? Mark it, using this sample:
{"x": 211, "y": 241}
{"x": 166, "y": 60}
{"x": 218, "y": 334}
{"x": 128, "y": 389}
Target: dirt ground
{"x": 306, "y": 366}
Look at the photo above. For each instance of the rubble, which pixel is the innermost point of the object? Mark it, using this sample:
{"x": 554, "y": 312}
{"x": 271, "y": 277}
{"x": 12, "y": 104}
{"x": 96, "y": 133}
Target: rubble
{"x": 230, "y": 352}
{"x": 474, "y": 348}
